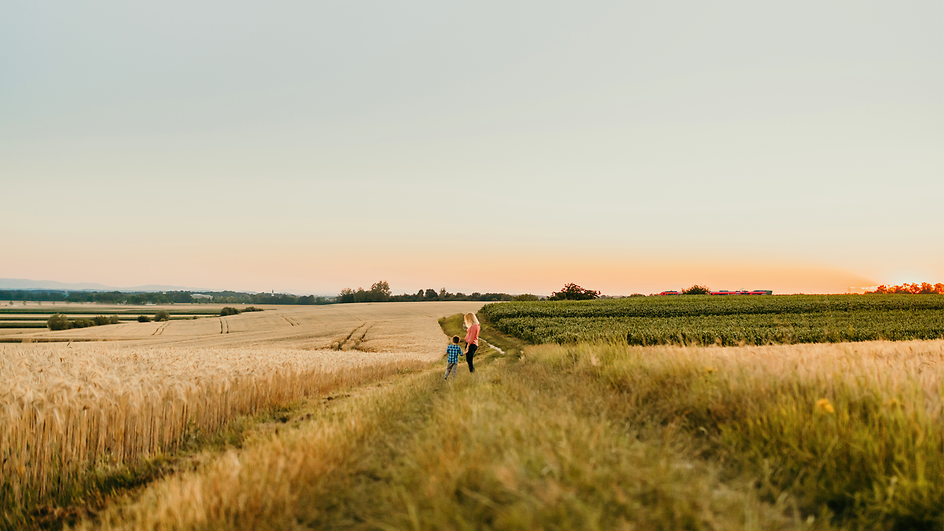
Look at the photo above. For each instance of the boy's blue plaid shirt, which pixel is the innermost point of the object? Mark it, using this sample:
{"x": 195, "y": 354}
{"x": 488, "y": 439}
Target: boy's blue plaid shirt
{"x": 453, "y": 350}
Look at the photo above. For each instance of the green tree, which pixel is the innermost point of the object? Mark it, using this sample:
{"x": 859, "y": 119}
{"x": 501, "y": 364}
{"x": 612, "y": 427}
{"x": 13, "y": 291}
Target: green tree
{"x": 58, "y": 322}
{"x": 380, "y": 291}
{"x": 360, "y": 295}
{"x": 162, "y": 315}
{"x": 346, "y": 295}
{"x": 697, "y": 290}
{"x": 573, "y": 292}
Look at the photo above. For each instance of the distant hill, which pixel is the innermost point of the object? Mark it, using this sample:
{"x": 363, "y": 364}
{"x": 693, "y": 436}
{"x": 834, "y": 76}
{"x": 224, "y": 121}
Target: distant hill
{"x": 22, "y": 283}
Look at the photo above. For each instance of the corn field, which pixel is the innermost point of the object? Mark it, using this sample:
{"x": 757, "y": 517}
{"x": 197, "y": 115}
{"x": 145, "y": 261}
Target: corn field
{"x": 732, "y": 320}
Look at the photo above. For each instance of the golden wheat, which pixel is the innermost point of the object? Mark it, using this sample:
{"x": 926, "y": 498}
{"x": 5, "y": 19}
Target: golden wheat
{"x": 68, "y": 409}
{"x": 308, "y": 327}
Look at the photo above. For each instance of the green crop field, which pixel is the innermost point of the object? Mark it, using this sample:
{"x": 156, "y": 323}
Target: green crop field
{"x": 17, "y": 318}
{"x": 22, "y": 324}
{"x": 110, "y": 310}
{"x": 730, "y": 320}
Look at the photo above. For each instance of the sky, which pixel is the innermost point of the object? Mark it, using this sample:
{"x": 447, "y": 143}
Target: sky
{"x": 484, "y": 146}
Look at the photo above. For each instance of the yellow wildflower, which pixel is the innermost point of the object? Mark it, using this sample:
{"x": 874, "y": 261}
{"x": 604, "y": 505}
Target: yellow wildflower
{"x": 823, "y": 405}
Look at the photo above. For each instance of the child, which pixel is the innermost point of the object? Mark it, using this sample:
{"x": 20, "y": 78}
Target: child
{"x": 452, "y": 362}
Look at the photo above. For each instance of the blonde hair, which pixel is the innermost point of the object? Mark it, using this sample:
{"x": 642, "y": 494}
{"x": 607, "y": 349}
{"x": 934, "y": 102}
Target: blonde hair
{"x": 470, "y": 319}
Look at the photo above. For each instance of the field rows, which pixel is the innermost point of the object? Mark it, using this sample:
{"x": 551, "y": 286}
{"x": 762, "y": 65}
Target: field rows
{"x": 121, "y": 317}
{"x": 106, "y": 310}
{"x": 17, "y": 320}
{"x": 724, "y": 320}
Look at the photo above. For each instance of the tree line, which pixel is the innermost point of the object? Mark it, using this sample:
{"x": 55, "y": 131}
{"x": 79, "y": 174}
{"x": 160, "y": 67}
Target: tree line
{"x": 158, "y": 297}
{"x": 925, "y": 288}
{"x": 380, "y": 292}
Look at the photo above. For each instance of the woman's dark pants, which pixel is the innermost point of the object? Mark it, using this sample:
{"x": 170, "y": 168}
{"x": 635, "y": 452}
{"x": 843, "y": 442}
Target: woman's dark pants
{"x": 469, "y": 354}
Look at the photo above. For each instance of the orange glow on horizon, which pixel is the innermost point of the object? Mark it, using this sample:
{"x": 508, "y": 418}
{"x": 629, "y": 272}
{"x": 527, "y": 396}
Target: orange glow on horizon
{"x": 327, "y": 271}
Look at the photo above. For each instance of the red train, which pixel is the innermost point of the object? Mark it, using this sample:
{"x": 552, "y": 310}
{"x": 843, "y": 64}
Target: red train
{"x": 726, "y": 292}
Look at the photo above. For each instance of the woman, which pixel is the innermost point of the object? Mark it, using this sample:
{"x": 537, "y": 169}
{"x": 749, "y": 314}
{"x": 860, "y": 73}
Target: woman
{"x": 471, "y": 338}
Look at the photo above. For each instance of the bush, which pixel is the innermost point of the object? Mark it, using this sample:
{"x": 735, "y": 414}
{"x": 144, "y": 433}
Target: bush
{"x": 100, "y": 320}
{"x": 697, "y": 290}
{"x": 58, "y": 322}
{"x": 83, "y": 323}
{"x": 162, "y": 315}
{"x": 251, "y": 309}
{"x": 525, "y": 297}
{"x": 229, "y": 310}
{"x": 144, "y": 319}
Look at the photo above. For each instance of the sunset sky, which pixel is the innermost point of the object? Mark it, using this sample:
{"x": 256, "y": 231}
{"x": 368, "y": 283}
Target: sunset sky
{"x": 480, "y": 146}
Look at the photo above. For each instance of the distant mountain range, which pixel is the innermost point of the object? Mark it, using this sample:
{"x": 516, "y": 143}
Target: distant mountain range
{"x": 22, "y": 283}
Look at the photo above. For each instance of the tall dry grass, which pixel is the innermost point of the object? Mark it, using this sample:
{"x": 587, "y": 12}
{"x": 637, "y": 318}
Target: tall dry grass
{"x": 599, "y": 437}
{"x": 854, "y": 430}
{"x": 68, "y": 412}
{"x": 513, "y": 446}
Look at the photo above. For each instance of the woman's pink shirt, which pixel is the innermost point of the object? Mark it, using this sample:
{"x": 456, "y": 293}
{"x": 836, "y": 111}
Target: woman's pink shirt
{"x": 473, "y": 335}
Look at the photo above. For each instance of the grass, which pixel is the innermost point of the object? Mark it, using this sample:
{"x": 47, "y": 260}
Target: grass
{"x": 589, "y": 436}
{"x": 509, "y": 345}
{"x": 521, "y": 444}
{"x": 852, "y": 432}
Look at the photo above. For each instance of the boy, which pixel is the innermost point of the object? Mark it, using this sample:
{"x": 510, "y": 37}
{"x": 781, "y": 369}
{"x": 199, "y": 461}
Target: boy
{"x": 452, "y": 362}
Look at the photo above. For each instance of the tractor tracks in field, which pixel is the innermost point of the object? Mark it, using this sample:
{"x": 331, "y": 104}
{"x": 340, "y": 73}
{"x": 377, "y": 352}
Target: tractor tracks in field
{"x": 160, "y": 329}
{"x": 291, "y": 321}
{"x": 351, "y": 342}
{"x": 224, "y": 326}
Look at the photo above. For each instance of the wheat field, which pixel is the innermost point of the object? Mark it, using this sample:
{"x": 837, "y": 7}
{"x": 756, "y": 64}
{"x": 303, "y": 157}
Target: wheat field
{"x": 369, "y": 327}
{"x": 597, "y": 436}
{"x": 133, "y": 391}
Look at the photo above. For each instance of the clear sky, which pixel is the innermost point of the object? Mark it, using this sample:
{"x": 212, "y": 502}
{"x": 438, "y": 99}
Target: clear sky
{"x": 477, "y": 146}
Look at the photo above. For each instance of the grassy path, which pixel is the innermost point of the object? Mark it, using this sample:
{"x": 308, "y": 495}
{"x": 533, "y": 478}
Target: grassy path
{"x": 517, "y": 445}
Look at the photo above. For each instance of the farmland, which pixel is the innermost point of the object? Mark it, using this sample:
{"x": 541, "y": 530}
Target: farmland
{"x": 817, "y": 436}
{"x": 303, "y": 327}
{"x": 724, "y": 320}
{"x": 338, "y": 417}
{"x": 81, "y": 405}
{"x": 21, "y": 318}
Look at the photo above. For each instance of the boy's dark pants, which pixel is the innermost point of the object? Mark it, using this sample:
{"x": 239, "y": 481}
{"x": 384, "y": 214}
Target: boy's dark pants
{"x": 469, "y": 354}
